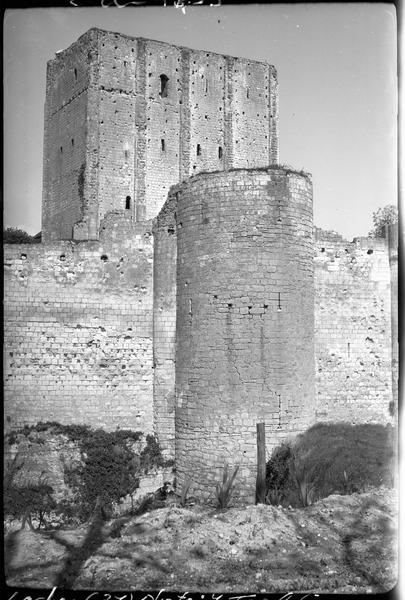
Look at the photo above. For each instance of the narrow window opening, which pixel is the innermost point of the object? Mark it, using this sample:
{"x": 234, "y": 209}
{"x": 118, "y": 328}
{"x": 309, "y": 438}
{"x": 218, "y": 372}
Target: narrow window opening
{"x": 75, "y": 71}
{"x": 198, "y": 150}
{"x": 61, "y": 150}
{"x": 279, "y": 301}
{"x": 206, "y": 85}
{"x": 128, "y": 202}
{"x": 279, "y": 411}
{"x": 72, "y": 142}
{"x": 220, "y": 152}
{"x": 247, "y": 92}
{"x": 348, "y": 350}
{"x": 163, "y": 145}
{"x": 126, "y": 154}
{"x": 164, "y": 80}
{"x": 125, "y": 63}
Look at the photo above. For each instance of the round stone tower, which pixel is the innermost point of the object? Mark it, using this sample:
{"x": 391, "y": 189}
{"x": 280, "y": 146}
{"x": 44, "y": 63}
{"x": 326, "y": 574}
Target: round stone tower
{"x": 245, "y": 321}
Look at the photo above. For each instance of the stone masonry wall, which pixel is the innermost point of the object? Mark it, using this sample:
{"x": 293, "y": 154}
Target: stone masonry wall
{"x": 68, "y": 82}
{"x": 244, "y": 333}
{"x": 78, "y": 330}
{"x": 126, "y": 118}
{"x": 164, "y": 324}
{"x": 352, "y": 330}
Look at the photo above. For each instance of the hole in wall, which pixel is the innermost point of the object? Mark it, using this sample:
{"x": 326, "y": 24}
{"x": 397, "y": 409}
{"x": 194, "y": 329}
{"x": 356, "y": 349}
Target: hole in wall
{"x": 370, "y": 251}
{"x": 164, "y": 82}
{"x": 220, "y": 152}
{"x": 104, "y": 257}
{"x": 23, "y": 256}
{"x": 322, "y": 249}
{"x": 198, "y": 149}
{"x": 170, "y": 230}
{"x": 128, "y": 202}
{"x": 162, "y": 145}
{"x": 62, "y": 257}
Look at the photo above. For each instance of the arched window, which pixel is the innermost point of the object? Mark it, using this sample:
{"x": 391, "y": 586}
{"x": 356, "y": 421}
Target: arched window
{"x": 164, "y": 83}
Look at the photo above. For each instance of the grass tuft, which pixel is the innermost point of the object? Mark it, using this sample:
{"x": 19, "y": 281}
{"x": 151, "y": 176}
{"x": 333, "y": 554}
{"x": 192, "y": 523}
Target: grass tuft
{"x": 224, "y": 489}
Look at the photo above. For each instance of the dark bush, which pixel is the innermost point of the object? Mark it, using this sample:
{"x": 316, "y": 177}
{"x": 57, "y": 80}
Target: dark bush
{"x": 109, "y": 468}
{"x": 331, "y": 458}
{"x": 28, "y": 500}
{"x": 13, "y": 235}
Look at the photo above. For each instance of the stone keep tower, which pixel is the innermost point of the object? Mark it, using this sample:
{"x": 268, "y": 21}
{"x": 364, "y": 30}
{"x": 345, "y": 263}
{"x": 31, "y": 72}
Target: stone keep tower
{"x": 126, "y": 118}
{"x": 240, "y": 348}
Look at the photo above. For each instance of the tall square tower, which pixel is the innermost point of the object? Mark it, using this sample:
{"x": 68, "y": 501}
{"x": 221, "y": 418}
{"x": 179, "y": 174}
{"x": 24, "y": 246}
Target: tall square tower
{"x": 126, "y": 118}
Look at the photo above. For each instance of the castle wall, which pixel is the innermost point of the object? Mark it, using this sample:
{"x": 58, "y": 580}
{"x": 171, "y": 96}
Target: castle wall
{"x": 115, "y": 123}
{"x": 133, "y": 138}
{"x": 78, "y": 330}
{"x": 352, "y": 330}
{"x": 65, "y": 140}
{"x": 207, "y": 112}
{"x": 244, "y": 333}
{"x": 251, "y": 109}
{"x": 162, "y": 124}
{"x": 164, "y": 324}
{"x": 392, "y": 239}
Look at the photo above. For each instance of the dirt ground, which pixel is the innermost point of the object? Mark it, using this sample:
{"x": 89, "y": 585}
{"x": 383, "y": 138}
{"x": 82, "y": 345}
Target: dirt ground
{"x": 344, "y": 544}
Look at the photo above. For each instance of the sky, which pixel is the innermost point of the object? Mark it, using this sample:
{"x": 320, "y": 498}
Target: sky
{"x": 337, "y": 75}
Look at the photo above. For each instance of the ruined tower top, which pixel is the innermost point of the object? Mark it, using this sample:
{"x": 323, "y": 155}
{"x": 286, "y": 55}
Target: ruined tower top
{"x": 126, "y": 118}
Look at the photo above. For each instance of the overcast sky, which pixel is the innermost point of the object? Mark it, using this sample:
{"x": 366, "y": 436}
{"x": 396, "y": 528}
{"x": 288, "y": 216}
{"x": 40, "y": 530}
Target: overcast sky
{"x": 336, "y": 66}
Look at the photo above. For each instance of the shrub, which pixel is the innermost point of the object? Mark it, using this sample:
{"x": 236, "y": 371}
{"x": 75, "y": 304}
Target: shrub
{"x": 33, "y": 499}
{"x": 184, "y": 491}
{"x": 13, "y": 235}
{"x": 330, "y": 458}
{"x": 109, "y": 468}
{"x": 278, "y": 474}
{"x": 224, "y": 489}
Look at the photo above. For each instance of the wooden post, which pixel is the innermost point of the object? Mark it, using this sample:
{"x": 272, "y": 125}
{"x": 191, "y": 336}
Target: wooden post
{"x": 261, "y": 464}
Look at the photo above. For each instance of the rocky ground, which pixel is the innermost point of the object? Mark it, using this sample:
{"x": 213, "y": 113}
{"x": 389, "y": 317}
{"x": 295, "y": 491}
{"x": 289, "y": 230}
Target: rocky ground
{"x": 344, "y": 544}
